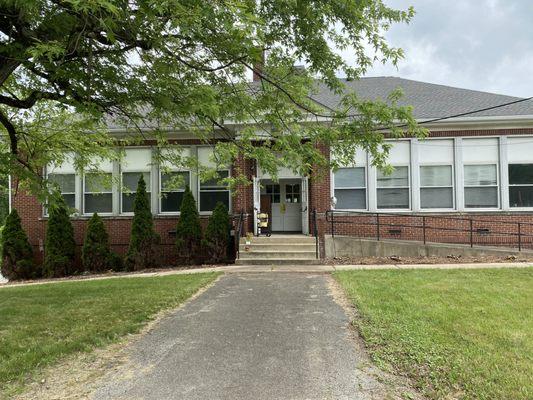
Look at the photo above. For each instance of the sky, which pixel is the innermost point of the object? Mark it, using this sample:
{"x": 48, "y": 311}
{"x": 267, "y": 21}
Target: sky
{"x": 484, "y": 45}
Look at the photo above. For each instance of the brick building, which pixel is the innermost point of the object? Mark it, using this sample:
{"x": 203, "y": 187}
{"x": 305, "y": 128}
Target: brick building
{"x": 478, "y": 167}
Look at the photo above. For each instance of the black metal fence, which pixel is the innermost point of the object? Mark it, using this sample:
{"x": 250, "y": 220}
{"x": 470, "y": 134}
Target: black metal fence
{"x": 488, "y": 230}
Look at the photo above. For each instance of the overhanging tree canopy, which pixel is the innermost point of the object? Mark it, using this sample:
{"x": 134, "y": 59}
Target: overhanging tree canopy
{"x": 69, "y": 66}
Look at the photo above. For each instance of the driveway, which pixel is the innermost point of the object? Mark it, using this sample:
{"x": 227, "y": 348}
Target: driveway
{"x": 252, "y": 336}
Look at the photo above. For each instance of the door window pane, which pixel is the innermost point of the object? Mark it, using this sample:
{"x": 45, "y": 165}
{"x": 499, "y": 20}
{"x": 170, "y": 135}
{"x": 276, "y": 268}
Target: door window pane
{"x": 292, "y": 193}
{"x": 274, "y": 192}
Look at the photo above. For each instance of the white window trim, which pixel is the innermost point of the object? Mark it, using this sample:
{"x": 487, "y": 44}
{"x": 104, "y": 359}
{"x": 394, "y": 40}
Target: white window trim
{"x": 422, "y": 209}
{"x": 497, "y": 186}
{"x": 215, "y": 190}
{"x": 160, "y": 193}
{"x": 393, "y": 210}
{"x": 365, "y": 188}
{"x": 83, "y": 193}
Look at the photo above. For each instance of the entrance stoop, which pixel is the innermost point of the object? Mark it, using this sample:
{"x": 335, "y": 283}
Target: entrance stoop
{"x": 278, "y": 250}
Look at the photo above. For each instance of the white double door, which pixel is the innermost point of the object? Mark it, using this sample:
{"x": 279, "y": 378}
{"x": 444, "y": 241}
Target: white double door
{"x": 287, "y": 207}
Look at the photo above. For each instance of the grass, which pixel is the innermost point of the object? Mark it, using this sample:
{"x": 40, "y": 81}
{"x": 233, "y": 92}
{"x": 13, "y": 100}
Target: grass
{"x": 41, "y": 324}
{"x": 457, "y": 333}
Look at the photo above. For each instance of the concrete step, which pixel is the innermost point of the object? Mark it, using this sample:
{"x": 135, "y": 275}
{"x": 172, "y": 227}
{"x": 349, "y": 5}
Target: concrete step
{"x": 277, "y": 254}
{"x": 278, "y": 261}
{"x": 285, "y": 239}
{"x": 278, "y": 246}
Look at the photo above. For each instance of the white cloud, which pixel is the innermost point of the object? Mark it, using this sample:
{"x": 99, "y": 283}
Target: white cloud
{"x": 477, "y": 45}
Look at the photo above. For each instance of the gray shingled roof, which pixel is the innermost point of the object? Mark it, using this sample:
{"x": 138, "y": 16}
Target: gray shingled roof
{"x": 428, "y": 100}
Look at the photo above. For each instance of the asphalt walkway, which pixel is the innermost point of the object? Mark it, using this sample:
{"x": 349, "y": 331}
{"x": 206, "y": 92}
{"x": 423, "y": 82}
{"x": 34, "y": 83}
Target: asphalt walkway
{"x": 251, "y": 336}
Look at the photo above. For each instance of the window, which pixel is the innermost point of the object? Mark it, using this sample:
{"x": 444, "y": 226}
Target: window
{"x": 136, "y": 163}
{"x": 97, "y": 193}
{"x": 66, "y": 183}
{"x": 481, "y": 186}
{"x": 436, "y": 186}
{"x": 521, "y": 185}
{"x": 292, "y": 193}
{"x": 173, "y": 186}
{"x": 350, "y": 188}
{"x": 130, "y": 181}
{"x": 274, "y": 192}
{"x": 211, "y": 192}
{"x": 393, "y": 189}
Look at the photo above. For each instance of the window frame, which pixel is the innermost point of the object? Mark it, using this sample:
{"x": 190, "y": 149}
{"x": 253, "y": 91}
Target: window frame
{"x": 454, "y": 205}
{"x": 45, "y": 208}
{"x": 497, "y": 186}
{"x": 199, "y": 191}
{"x": 160, "y": 194}
{"x": 83, "y": 193}
{"x": 510, "y": 185}
{"x": 365, "y": 188}
{"x": 278, "y": 193}
{"x": 121, "y": 188}
{"x": 408, "y": 187}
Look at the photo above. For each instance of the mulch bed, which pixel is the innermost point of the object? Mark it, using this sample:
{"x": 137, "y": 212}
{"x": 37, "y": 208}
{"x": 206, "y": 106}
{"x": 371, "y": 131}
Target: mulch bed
{"x": 451, "y": 259}
{"x": 112, "y": 274}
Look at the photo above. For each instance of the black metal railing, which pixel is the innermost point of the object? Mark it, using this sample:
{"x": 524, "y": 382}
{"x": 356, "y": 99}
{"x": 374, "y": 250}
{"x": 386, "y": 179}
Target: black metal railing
{"x": 471, "y": 230}
{"x": 315, "y": 233}
{"x": 238, "y": 232}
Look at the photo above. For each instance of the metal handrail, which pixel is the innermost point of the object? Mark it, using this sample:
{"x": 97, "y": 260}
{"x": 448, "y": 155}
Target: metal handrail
{"x": 315, "y": 233}
{"x": 379, "y": 220}
{"x": 238, "y": 234}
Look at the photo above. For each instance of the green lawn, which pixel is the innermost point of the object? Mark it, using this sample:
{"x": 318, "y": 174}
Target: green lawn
{"x": 457, "y": 333}
{"x": 42, "y": 323}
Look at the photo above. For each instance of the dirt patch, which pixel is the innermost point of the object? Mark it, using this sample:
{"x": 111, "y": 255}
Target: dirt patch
{"x": 77, "y": 376}
{"x": 450, "y": 259}
{"x": 396, "y": 387}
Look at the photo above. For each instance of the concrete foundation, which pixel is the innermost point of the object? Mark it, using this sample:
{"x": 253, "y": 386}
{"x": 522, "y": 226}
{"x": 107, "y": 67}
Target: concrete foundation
{"x": 347, "y": 246}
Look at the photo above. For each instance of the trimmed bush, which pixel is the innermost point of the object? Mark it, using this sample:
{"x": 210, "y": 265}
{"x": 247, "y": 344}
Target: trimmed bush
{"x": 17, "y": 253}
{"x": 141, "y": 252}
{"x": 189, "y": 230}
{"x": 60, "y": 247}
{"x": 95, "y": 254}
{"x": 217, "y": 234}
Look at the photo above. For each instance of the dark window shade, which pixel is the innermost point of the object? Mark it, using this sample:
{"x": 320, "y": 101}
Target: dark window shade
{"x": 521, "y": 174}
